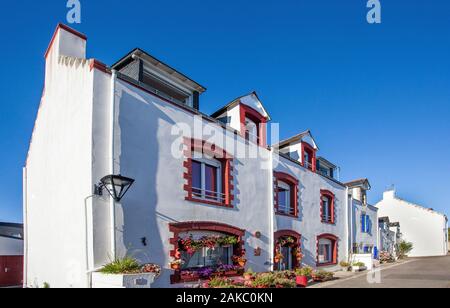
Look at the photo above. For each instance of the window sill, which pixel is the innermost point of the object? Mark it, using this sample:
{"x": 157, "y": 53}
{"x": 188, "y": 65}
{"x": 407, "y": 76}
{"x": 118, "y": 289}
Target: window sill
{"x": 329, "y": 222}
{"x": 215, "y": 203}
{"x": 286, "y": 215}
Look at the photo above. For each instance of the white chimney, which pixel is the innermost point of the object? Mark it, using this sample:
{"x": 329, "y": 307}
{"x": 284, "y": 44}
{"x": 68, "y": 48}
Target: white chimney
{"x": 67, "y": 42}
{"x": 390, "y": 194}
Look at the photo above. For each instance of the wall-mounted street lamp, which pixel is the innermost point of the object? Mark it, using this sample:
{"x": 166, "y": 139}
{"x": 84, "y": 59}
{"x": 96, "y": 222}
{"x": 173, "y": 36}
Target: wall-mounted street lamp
{"x": 116, "y": 185}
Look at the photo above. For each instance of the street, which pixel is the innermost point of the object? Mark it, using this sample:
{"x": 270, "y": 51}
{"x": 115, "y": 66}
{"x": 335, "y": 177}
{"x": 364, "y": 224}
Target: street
{"x": 415, "y": 273}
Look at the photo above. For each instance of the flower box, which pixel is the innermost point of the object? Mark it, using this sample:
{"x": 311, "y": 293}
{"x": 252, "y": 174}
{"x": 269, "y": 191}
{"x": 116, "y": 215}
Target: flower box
{"x": 122, "y": 281}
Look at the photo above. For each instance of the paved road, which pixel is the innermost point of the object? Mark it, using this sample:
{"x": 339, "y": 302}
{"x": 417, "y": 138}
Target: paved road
{"x": 419, "y": 273}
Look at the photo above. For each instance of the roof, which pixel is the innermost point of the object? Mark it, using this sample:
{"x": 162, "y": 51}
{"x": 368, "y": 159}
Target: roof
{"x": 12, "y": 225}
{"x": 383, "y": 219}
{"x": 161, "y": 65}
{"x": 295, "y": 138}
{"x": 327, "y": 162}
{"x": 358, "y": 182}
{"x": 235, "y": 102}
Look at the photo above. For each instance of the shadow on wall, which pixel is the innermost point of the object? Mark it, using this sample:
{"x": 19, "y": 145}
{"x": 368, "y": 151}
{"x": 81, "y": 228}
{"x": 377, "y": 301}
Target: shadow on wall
{"x": 309, "y": 258}
{"x": 140, "y": 160}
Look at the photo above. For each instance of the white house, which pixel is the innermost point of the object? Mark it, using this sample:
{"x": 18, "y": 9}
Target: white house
{"x": 197, "y": 177}
{"x": 424, "y": 227}
{"x": 364, "y": 219}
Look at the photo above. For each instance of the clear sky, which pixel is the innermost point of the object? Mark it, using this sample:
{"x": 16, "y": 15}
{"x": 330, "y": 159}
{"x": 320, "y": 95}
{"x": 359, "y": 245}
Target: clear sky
{"x": 376, "y": 97}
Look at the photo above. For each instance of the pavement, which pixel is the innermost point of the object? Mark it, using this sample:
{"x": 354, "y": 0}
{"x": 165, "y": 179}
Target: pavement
{"x": 433, "y": 272}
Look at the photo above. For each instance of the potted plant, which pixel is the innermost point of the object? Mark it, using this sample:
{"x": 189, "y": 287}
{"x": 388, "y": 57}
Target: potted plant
{"x": 176, "y": 265}
{"x": 249, "y": 274}
{"x": 345, "y": 266}
{"x": 278, "y": 257}
{"x": 302, "y": 276}
{"x": 240, "y": 260}
{"x": 126, "y": 273}
{"x": 358, "y": 267}
{"x": 322, "y": 276}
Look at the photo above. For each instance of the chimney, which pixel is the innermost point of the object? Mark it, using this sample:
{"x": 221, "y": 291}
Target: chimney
{"x": 66, "y": 42}
{"x": 390, "y": 194}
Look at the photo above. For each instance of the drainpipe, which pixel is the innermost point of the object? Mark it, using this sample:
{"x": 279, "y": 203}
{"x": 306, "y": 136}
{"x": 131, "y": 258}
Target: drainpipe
{"x": 350, "y": 206}
{"x": 25, "y": 220}
{"x": 112, "y": 204}
{"x": 271, "y": 210}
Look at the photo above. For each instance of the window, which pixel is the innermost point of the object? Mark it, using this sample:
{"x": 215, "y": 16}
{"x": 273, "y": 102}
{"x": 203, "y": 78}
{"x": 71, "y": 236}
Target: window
{"x": 208, "y": 174}
{"x": 327, "y": 207}
{"x": 368, "y": 249}
{"x": 284, "y": 198}
{"x": 286, "y": 194}
{"x": 206, "y": 179}
{"x": 253, "y": 125}
{"x": 309, "y": 157}
{"x": 366, "y": 224}
{"x": 208, "y": 257}
{"x": 251, "y": 131}
{"x": 327, "y": 250}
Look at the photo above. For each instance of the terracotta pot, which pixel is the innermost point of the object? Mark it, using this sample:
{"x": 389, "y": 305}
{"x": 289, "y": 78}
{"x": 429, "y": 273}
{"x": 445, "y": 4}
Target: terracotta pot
{"x": 276, "y": 260}
{"x": 175, "y": 267}
{"x": 242, "y": 264}
{"x": 302, "y": 281}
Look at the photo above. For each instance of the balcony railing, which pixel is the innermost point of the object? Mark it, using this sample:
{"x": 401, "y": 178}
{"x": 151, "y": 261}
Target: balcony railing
{"x": 286, "y": 210}
{"x": 208, "y": 195}
{"x": 251, "y": 137}
{"x": 308, "y": 165}
{"x": 327, "y": 219}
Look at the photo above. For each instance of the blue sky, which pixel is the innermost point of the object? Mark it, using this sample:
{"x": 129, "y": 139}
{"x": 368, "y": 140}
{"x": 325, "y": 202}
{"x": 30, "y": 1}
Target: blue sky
{"x": 376, "y": 97}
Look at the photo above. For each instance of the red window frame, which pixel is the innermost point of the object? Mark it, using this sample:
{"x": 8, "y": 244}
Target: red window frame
{"x": 298, "y": 245}
{"x": 331, "y": 197}
{"x": 182, "y": 227}
{"x": 260, "y": 121}
{"x": 293, "y": 183}
{"x": 226, "y": 160}
{"x": 334, "y": 249}
{"x": 306, "y": 147}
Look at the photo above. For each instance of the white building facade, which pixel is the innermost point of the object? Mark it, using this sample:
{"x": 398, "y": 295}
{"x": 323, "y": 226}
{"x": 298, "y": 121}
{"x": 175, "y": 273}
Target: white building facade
{"x": 363, "y": 220}
{"x": 425, "y": 228}
{"x": 197, "y": 177}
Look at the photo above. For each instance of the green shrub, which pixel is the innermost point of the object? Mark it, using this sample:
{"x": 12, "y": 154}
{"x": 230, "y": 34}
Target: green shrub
{"x": 304, "y": 271}
{"x": 122, "y": 266}
{"x": 404, "y": 248}
{"x": 359, "y": 264}
{"x": 344, "y": 264}
{"x": 285, "y": 283}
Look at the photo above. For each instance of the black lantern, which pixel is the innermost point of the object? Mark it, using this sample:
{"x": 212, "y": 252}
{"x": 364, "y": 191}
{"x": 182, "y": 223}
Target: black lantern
{"x": 116, "y": 185}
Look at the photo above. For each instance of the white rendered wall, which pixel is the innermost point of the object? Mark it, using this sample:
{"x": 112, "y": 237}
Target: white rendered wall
{"x": 422, "y": 227}
{"x": 359, "y": 237}
{"x": 309, "y": 223}
{"x": 11, "y": 246}
{"x": 144, "y": 142}
{"x": 59, "y": 172}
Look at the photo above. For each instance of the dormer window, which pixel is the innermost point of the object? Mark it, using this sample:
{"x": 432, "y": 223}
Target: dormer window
{"x": 251, "y": 131}
{"x": 253, "y": 125}
{"x": 309, "y": 156}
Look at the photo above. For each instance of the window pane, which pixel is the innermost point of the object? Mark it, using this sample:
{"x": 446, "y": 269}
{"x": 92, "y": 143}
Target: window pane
{"x": 211, "y": 182}
{"x": 197, "y": 178}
